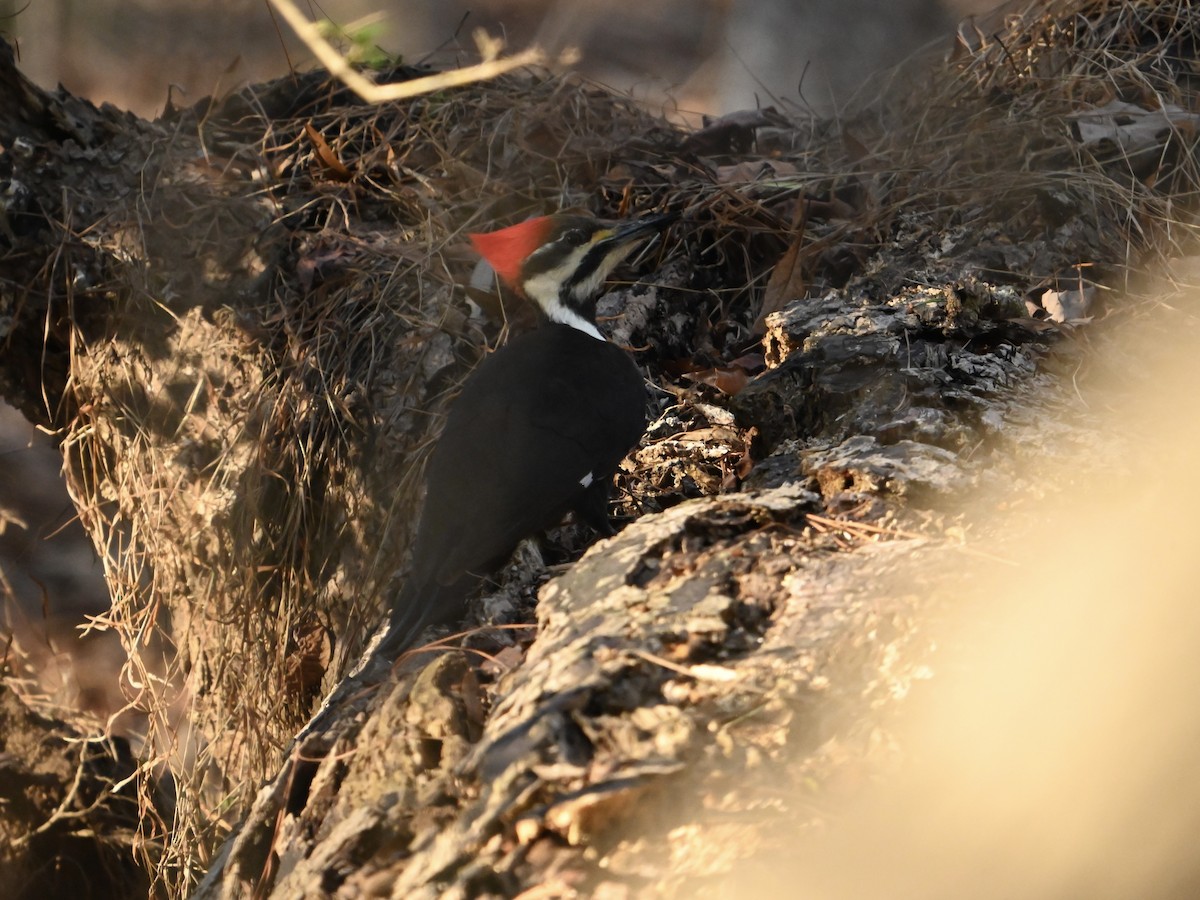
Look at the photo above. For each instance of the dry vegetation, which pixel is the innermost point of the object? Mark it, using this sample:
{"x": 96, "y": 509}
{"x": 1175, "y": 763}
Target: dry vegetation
{"x": 248, "y": 324}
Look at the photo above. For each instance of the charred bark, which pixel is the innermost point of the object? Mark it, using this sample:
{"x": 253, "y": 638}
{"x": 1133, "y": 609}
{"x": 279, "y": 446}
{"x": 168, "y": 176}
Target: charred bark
{"x": 70, "y": 819}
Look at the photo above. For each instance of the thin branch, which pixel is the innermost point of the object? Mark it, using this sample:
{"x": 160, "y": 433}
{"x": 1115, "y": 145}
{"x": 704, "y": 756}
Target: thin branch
{"x": 338, "y": 66}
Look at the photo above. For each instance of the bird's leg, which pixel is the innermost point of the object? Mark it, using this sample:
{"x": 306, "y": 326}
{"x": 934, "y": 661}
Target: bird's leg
{"x": 592, "y": 507}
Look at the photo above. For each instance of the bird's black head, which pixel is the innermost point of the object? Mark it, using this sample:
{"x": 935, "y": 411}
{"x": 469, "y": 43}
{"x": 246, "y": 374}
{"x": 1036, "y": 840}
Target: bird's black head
{"x": 560, "y": 261}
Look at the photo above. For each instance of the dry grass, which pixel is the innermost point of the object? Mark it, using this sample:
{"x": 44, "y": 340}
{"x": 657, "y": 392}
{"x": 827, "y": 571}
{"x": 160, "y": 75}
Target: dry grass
{"x": 251, "y": 487}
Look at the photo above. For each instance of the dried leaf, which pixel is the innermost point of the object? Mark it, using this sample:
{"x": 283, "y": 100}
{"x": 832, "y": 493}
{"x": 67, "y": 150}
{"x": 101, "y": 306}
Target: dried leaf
{"x": 318, "y": 264}
{"x": 1068, "y": 306}
{"x": 1130, "y": 127}
{"x": 716, "y": 415}
{"x": 746, "y": 462}
{"x": 729, "y": 479}
{"x": 714, "y": 434}
{"x": 504, "y": 661}
{"x": 309, "y": 659}
{"x": 332, "y": 164}
{"x": 726, "y": 379}
{"x": 787, "y": 280}
{"x": 754, "y": 170}
{"x": 787, "y": 283}
{"x": 732, "y": 133}
{"x": 473, "y": 703}
{"x": 751, "y": 362}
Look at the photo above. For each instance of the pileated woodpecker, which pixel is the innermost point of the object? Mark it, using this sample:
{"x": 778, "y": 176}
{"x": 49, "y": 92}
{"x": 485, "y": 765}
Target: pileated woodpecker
{"x": 540, "y": 427}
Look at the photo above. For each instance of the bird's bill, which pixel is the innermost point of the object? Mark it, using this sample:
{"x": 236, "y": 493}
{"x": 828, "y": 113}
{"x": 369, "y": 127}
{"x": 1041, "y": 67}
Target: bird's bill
{"x": 638, "y": 228}
{"x": 616, "y": 243}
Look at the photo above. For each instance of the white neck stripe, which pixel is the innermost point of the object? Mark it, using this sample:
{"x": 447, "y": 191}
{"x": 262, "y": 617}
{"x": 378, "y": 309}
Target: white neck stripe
{"x": 543, "y": 289}
{"x": 566, "y": 316}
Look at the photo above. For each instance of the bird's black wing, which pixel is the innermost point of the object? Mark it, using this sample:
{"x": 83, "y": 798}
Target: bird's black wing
{"x": 538, "y": 419}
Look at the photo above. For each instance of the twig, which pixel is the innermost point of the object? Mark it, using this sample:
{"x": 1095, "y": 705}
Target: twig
{"x": 338, "y": 66}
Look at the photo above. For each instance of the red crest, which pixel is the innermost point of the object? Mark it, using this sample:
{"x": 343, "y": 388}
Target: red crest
{"x": 507, "y": 249}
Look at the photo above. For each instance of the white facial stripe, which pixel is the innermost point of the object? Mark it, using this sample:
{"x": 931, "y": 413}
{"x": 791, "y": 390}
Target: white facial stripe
{"x": 589, "y": 287}
{"x": 544, "y": 287}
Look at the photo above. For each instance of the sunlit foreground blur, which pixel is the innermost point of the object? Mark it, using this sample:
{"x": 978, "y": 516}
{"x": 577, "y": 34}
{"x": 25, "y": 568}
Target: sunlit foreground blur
{"x": 1056, "y": 752}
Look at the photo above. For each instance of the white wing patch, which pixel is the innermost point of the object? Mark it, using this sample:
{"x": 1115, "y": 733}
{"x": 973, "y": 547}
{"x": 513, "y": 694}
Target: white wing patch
{"x": 586, "y": 480}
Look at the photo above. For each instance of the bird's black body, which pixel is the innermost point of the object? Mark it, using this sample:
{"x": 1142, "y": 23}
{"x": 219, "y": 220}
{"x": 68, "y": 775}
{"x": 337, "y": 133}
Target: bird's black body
{"x": 538, "y": 431}
{"x": 552, "y": 409}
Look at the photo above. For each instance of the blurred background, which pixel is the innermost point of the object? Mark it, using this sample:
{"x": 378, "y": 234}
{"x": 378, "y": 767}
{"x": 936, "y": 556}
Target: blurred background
{"x": 695, "y": 55}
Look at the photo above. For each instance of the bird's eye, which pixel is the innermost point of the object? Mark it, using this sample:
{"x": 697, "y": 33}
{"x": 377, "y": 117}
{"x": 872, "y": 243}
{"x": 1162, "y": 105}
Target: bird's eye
{"x": 575, "y": 237}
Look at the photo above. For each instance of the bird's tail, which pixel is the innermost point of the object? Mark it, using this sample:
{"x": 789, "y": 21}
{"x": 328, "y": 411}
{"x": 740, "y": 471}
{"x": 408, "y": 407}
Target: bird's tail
{"x": 419, "y": 606}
